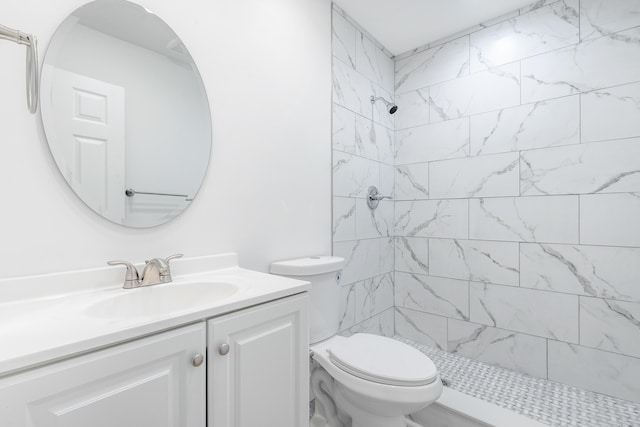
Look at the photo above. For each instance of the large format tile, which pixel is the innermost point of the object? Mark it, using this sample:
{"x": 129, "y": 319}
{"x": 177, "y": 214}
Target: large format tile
{"x": 344, "y": 219}
{"x": 343, "y": 129}
{"x": 484, "y": 176}
{"x": 353, "y": 91}
{"x": 545, "y": 314}
{"x": 362, "y": 259}
{"x": 371, "y": 223}
{"x": 387, "y": 255}
{"x": 380, "y": 324}
{"x": 507, "y": 349}
{"x": 599, "y": 167}
{"x": 413, "y": 109}
{"x": 387, "y": 177}
{"x": 543, "y": 124}
{"x": 533, "y": 6}
{"x": 521, "y": 36}
{"x": 610, "y": 219}
{"x": 347, "y": 307}
{"x": 373, "y": 296}
{"x": 552, "y": 219}
{"x": 445, "y": 140}
{"x": 412, "y": 255}
{"x": 435, "y": 295}
{"x": 352, "y": 175}
{"x": 373, "y": 140}
{"x": 441, "y": 63}
{"x": 421, "y": 327}
{"x": 411, "y": 182}
{"x": 487, "y": 262}
{"x": 373, "y": 63}
{"x": 602, "y": 17}
{"x": 602, "y": 271}
{"x": 343, "y": 44}
{"x": 594, "y": 64}
{"x": 610, "y": 325}
{"x": 611, "y": 113}
{"x": 595, "y": 370}
{"x": 476, "y": 93}
{"x": 432, "y": 218}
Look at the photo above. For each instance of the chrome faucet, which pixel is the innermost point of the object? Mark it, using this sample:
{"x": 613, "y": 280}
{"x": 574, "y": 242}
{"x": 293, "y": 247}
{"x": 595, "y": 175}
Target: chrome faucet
{"x": 155, "y": 271}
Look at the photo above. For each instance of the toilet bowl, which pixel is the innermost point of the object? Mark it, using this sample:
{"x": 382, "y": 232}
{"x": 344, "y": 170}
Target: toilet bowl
{"x": 363, "y": 380}
{"x": 378, "y": 381}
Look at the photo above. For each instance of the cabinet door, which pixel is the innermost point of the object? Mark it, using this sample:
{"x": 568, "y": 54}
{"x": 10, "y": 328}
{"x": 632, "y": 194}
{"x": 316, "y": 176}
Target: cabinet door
{"x": 150, "y": 382}
{"x": 263, "y": 379}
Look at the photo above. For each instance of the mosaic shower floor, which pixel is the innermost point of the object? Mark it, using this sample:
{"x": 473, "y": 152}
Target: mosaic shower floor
{"x": 545, "y": 401}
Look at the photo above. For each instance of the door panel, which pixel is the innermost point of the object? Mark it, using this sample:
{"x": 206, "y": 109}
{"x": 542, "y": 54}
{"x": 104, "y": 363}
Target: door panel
{"x": 89, "y": 143}
{"x": 263, "y": 380}
{"x": 148, "y": 382}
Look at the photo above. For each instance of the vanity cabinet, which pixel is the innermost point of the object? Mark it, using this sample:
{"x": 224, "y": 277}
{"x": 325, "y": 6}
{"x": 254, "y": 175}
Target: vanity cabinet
{"x": 254, "y": 371}
{"x": 258, "y": 366}
{"x": 152, "y": 381}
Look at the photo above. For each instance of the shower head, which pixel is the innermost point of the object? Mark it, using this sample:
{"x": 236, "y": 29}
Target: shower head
{"x": 391, "y": 107}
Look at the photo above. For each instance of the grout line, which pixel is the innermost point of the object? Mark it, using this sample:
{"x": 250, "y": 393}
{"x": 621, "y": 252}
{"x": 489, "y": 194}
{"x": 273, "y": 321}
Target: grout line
{"x": 515, "y": 196}
{"x": 579, "y": 21}
{"x": 547, "y": 339}
{"x": 469, "y": 219}
{"x": 520, "y": 264}
{"x": 547, "y": 354}
{"x": 506, "y": 241}
{"x": 579, "y": 334}
{"x": 524, "y": 288}
{"x": 447, "y": 334}
{"x": 520, "y": 84}
{"x": 469, "y": 299}
{"x": 520, "y": 60}
{"x": 579, "y": 219}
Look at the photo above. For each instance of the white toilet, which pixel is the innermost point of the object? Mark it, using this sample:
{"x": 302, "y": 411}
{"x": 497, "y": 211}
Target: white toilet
{"x": 366, "y": 380}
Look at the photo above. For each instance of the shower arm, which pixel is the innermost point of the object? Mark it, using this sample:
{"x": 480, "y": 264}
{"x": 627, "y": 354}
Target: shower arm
{"x": 31, "y": 42}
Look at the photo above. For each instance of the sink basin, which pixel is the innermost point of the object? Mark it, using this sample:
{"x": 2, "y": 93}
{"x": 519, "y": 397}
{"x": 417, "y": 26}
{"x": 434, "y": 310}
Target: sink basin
{"x": 160, "y": 299}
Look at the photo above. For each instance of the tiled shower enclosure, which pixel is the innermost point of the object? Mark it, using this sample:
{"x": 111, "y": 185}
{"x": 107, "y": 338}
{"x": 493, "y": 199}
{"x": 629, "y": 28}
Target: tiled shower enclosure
{"x": 514, "y": 162}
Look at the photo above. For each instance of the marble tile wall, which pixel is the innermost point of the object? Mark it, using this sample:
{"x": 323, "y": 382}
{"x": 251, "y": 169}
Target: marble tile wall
{"x": 516, "y": 220}
{"x": 363, "y": 155}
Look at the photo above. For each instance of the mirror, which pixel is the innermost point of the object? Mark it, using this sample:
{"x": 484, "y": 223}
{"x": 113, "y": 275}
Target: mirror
{"x": 125, "y": 113}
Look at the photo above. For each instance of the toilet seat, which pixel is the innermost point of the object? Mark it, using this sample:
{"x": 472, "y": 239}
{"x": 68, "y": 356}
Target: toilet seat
{"x": 372, "y": 389}
{"x": 382, "y": 360}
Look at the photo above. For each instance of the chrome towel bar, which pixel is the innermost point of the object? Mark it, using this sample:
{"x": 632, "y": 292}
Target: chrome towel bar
{"x": 130, "y": 192}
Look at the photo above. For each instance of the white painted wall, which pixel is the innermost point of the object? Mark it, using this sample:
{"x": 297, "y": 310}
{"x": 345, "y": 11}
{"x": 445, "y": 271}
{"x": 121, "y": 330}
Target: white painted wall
{"x": 267, "y": 195}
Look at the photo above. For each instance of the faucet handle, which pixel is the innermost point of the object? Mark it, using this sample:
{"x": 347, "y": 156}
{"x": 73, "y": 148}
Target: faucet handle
{"x": 169, "y": 258}
{"x": 132, "y": 277}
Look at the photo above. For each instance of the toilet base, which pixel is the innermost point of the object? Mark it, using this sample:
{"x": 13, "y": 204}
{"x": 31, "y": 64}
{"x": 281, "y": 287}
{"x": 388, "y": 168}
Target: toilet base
{"x": 362, "y": 417}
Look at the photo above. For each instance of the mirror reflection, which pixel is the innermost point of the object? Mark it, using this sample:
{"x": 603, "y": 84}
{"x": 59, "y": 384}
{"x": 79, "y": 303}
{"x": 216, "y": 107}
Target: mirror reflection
{"x": 125, "y": 113}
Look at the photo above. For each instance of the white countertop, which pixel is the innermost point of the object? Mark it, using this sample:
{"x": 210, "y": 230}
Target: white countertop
{"x": 47, "y": 318}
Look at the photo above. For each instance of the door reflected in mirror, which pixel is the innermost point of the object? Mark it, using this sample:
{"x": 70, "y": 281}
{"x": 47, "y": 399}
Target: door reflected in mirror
{"x": 125, "y": 113}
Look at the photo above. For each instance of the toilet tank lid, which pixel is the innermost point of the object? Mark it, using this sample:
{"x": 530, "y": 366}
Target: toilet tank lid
{"x": 308, "y": 266}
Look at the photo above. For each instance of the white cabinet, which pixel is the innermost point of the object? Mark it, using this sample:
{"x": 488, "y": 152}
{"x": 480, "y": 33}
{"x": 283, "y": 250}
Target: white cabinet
{"x": 150, "y": 382}
{"x": 258, "y": 369}
{"x": 157, "y": 381}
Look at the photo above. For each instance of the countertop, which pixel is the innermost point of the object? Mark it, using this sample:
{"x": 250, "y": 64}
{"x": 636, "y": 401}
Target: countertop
{"x": 49, "y": 317}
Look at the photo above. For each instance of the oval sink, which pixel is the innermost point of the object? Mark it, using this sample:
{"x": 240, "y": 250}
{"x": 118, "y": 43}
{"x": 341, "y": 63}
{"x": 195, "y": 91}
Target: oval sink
{"x": 160, "y": 299}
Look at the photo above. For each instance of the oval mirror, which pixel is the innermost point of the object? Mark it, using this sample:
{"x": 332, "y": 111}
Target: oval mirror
{"x": 125, "y": 113}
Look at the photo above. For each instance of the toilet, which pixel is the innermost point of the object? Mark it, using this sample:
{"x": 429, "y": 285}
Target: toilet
{"x": 363, "y": 380}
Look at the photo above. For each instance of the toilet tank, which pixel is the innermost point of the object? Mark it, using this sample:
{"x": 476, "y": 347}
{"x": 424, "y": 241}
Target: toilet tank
{"x": 324, "y": 274}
